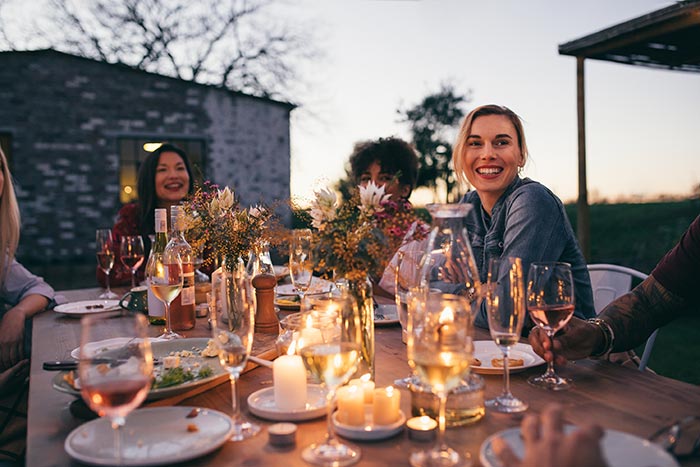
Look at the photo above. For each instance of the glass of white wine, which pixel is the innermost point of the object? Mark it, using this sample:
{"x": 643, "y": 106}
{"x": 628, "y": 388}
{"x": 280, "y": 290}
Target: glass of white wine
{"x": 505, "y": 306}
{"x": 114, "y": 389}
{"x": 440, "y": 348}
{"x": 131, "y": 254}
{"x": 232, "y": 333}
{"x": 329, "y": 344}
{"x": 104, "y": 244}
{"x": 165, "y": 278}
{"x": 300, "y": 261}
{"x": 550, "y": 301}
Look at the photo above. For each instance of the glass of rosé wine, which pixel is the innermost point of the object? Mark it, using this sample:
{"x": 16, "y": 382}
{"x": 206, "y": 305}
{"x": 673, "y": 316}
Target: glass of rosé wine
{"x": 117, "y": 382}
{"x": 550, "y": 302}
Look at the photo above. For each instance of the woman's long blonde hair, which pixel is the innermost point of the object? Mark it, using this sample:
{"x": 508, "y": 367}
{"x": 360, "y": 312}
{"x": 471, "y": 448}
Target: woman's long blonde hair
{"x": 9, "y": 219}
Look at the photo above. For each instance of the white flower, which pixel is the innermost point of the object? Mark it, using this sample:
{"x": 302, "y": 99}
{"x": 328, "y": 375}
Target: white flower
{"x": 323, "y": 208}
{"x": 372, "y": 197}
{"x": 225, "y": 198}
{"x": 256, "y": 211}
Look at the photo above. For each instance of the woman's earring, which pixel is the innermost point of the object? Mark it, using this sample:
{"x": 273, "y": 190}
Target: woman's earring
{"x": 520, "y": 170}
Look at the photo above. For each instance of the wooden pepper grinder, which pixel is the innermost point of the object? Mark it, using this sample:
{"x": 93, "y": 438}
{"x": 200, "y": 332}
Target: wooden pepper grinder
{"x": 266, "y": 320}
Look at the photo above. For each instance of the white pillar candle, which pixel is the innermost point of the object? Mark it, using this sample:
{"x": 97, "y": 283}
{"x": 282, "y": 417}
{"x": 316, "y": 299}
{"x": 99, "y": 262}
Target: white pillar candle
{"x": 386, "y": 406}
{"x": 366, "y": 385}
{"x": 289, "y": 382}
{"x": 351, "y": 405}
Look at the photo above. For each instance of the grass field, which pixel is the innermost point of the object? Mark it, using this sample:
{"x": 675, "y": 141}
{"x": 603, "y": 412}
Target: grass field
{"x": 633, "y": 235}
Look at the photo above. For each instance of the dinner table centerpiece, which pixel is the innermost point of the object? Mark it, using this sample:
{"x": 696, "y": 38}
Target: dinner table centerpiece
{"x": 354, "y": 241}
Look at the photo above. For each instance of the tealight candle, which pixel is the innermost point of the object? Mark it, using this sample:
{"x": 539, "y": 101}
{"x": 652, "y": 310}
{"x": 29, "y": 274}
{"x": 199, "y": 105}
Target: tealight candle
{"x": 386, "y": 406}
{"x": 366, "y": 385}
{"x": 289, "y": 382}
{"x": 421, "y": 428}
{"x": 351, "y": 405}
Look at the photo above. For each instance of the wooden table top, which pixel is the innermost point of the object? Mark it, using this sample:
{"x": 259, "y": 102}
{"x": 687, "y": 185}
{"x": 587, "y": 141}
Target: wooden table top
{"x": 615, "y": 397}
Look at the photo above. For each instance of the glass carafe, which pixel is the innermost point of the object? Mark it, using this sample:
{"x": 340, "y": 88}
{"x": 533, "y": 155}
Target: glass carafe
{"x": 449, "y": 264}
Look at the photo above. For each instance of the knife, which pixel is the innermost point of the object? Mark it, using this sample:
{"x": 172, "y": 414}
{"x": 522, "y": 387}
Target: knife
{"x": 67, "y": 365}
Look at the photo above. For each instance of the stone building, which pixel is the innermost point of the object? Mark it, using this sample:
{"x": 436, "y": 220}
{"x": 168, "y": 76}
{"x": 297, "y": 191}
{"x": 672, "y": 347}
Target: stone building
{"x": 74, "y": 131}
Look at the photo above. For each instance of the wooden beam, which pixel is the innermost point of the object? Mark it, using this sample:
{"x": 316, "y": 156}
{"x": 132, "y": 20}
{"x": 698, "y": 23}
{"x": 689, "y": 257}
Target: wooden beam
{"x": 583, "y": 223}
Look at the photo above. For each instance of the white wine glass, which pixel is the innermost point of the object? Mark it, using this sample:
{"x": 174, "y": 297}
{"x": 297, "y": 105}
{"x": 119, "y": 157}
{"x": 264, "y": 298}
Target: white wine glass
{"x": 550, "y": 302}
{"x": 118, "y": 382}
{"x": 330, "y": 345}
{"x": 104, "y": 244}
{"x": 232, "y": 333}
{"x": 440, "y": 348}
{"x": 300, "y": 261}
{"x": 407, "y": 276}
{"x": 505, "y": 306}
{"x": 165, "y": 278}
{"x": 131, "y": 254}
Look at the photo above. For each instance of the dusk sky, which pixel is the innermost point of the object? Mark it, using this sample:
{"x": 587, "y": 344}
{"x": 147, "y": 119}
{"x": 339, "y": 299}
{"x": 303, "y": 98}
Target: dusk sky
{"x": 642, "y": 124}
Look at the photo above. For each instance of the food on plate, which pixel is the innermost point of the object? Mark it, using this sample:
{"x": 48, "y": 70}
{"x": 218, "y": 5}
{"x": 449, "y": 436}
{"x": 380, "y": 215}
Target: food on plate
{"x": 288, "y": 300}
{"x": 498, "y": 362}
{"x": 210, "y": 350}
{"x": 192, "y": 428}
{"x": 475, "y": 362}
{"x": 69, "y": 378}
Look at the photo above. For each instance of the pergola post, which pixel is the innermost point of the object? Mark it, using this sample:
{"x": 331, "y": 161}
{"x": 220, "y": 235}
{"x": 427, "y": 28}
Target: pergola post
{"x": 583, "y": 221}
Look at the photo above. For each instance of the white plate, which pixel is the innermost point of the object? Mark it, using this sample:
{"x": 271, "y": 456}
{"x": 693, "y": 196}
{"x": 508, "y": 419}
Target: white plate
{"x": 369, "y": 432}
{"x": 95, "y": 348}
{"x": 262, "y": 404}
{"x": 388, "y": 313}
{"x": 487, "y": 350}
{"x": 619, "y": 449}
{"x": 162, "y": 349}
{"x": 318, "y": 286}
{"x": 86, "y": 307}
{"x": 168, "y": 443}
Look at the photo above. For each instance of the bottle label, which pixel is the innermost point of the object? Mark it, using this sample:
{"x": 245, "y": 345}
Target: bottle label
{"x": 187, "y": 293}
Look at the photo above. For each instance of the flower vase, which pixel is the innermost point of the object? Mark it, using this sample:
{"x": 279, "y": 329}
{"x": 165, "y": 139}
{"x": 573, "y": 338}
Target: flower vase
{"x": 361, "y": 291}
{"x": 238, "y": 292}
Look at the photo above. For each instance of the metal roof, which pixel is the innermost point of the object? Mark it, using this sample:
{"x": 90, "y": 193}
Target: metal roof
{"x": 668, "y": 38}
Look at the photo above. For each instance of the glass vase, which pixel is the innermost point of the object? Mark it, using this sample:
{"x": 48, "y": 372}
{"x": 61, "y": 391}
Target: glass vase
{"x": 361, "y": 291}
{"x": 449, "y": 264}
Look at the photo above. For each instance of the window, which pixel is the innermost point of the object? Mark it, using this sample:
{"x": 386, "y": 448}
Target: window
{"x": 6, "y": 145}
{"x": 133, "y": 151}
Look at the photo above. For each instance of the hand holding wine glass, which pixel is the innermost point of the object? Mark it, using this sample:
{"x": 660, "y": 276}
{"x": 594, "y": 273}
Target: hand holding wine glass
{"x": 330, "y": 346}
{"x": 505, "y": 306}
{"x": 115, "y": 390}
{"x": 105, "y": 258}
{"x": 440, "y": 348}
{"x": 300, "y": 262}
{"x": 550, "y": 301}
{"x": 165, "y": 278}
{"x": 232, "y": 333}
{"x": 131, "y": 254}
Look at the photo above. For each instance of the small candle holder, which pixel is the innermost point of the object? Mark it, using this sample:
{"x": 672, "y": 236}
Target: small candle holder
{"x": 282, "y": 434}
{"x": 422, "y": 429}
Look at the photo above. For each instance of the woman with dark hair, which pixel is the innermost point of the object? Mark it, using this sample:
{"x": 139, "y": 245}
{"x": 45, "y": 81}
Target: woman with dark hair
{"x": 165, "y": 179}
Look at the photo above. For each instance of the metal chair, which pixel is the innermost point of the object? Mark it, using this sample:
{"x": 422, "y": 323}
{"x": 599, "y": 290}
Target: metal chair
{"x": 608, "y": 282}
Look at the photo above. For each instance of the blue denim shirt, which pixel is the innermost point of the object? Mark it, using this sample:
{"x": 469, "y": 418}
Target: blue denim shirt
{"x": 527, "y": 221}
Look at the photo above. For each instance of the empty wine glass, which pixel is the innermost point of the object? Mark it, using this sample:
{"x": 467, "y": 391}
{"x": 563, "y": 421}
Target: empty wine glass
{"x": 131, "y": 254}
{"x": 407, "y": 275}
{"x": 115, "y": 389}
{"x": 232, "y": 333}
{"x": 164, "y": 272}
{"x": 550, "y": 301}
{"x": 300, "y": 263}
{"x": 105, "y": 258}
{"x": 505, "y": 306}
{"x": 440, "y": 348}
{"x": 330, "y": 345}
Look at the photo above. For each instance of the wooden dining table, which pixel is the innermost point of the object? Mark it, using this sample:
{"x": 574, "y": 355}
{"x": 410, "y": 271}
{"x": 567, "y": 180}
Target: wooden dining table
{"x": 612, "y": 396}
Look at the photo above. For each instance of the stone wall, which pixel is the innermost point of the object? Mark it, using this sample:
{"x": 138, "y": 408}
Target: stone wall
{"x": 65, "y": 115}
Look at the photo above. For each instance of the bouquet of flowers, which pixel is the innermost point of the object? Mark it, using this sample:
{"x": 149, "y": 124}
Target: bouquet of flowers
{"x": 357, "y": 238}
{"x": 216, "y": 222}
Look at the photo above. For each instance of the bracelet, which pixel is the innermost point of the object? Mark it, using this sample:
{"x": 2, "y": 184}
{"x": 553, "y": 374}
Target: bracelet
{"x": 609, "y": 336}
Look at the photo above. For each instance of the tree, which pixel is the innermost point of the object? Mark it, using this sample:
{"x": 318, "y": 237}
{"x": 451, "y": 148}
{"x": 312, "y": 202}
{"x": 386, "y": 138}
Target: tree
{"x": 432, "y": 125}
{"x": 231, "y": 43}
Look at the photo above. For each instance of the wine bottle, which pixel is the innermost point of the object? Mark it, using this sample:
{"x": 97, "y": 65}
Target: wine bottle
{"x": 182, "y": 309}
{"x": 156, "y": 309}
